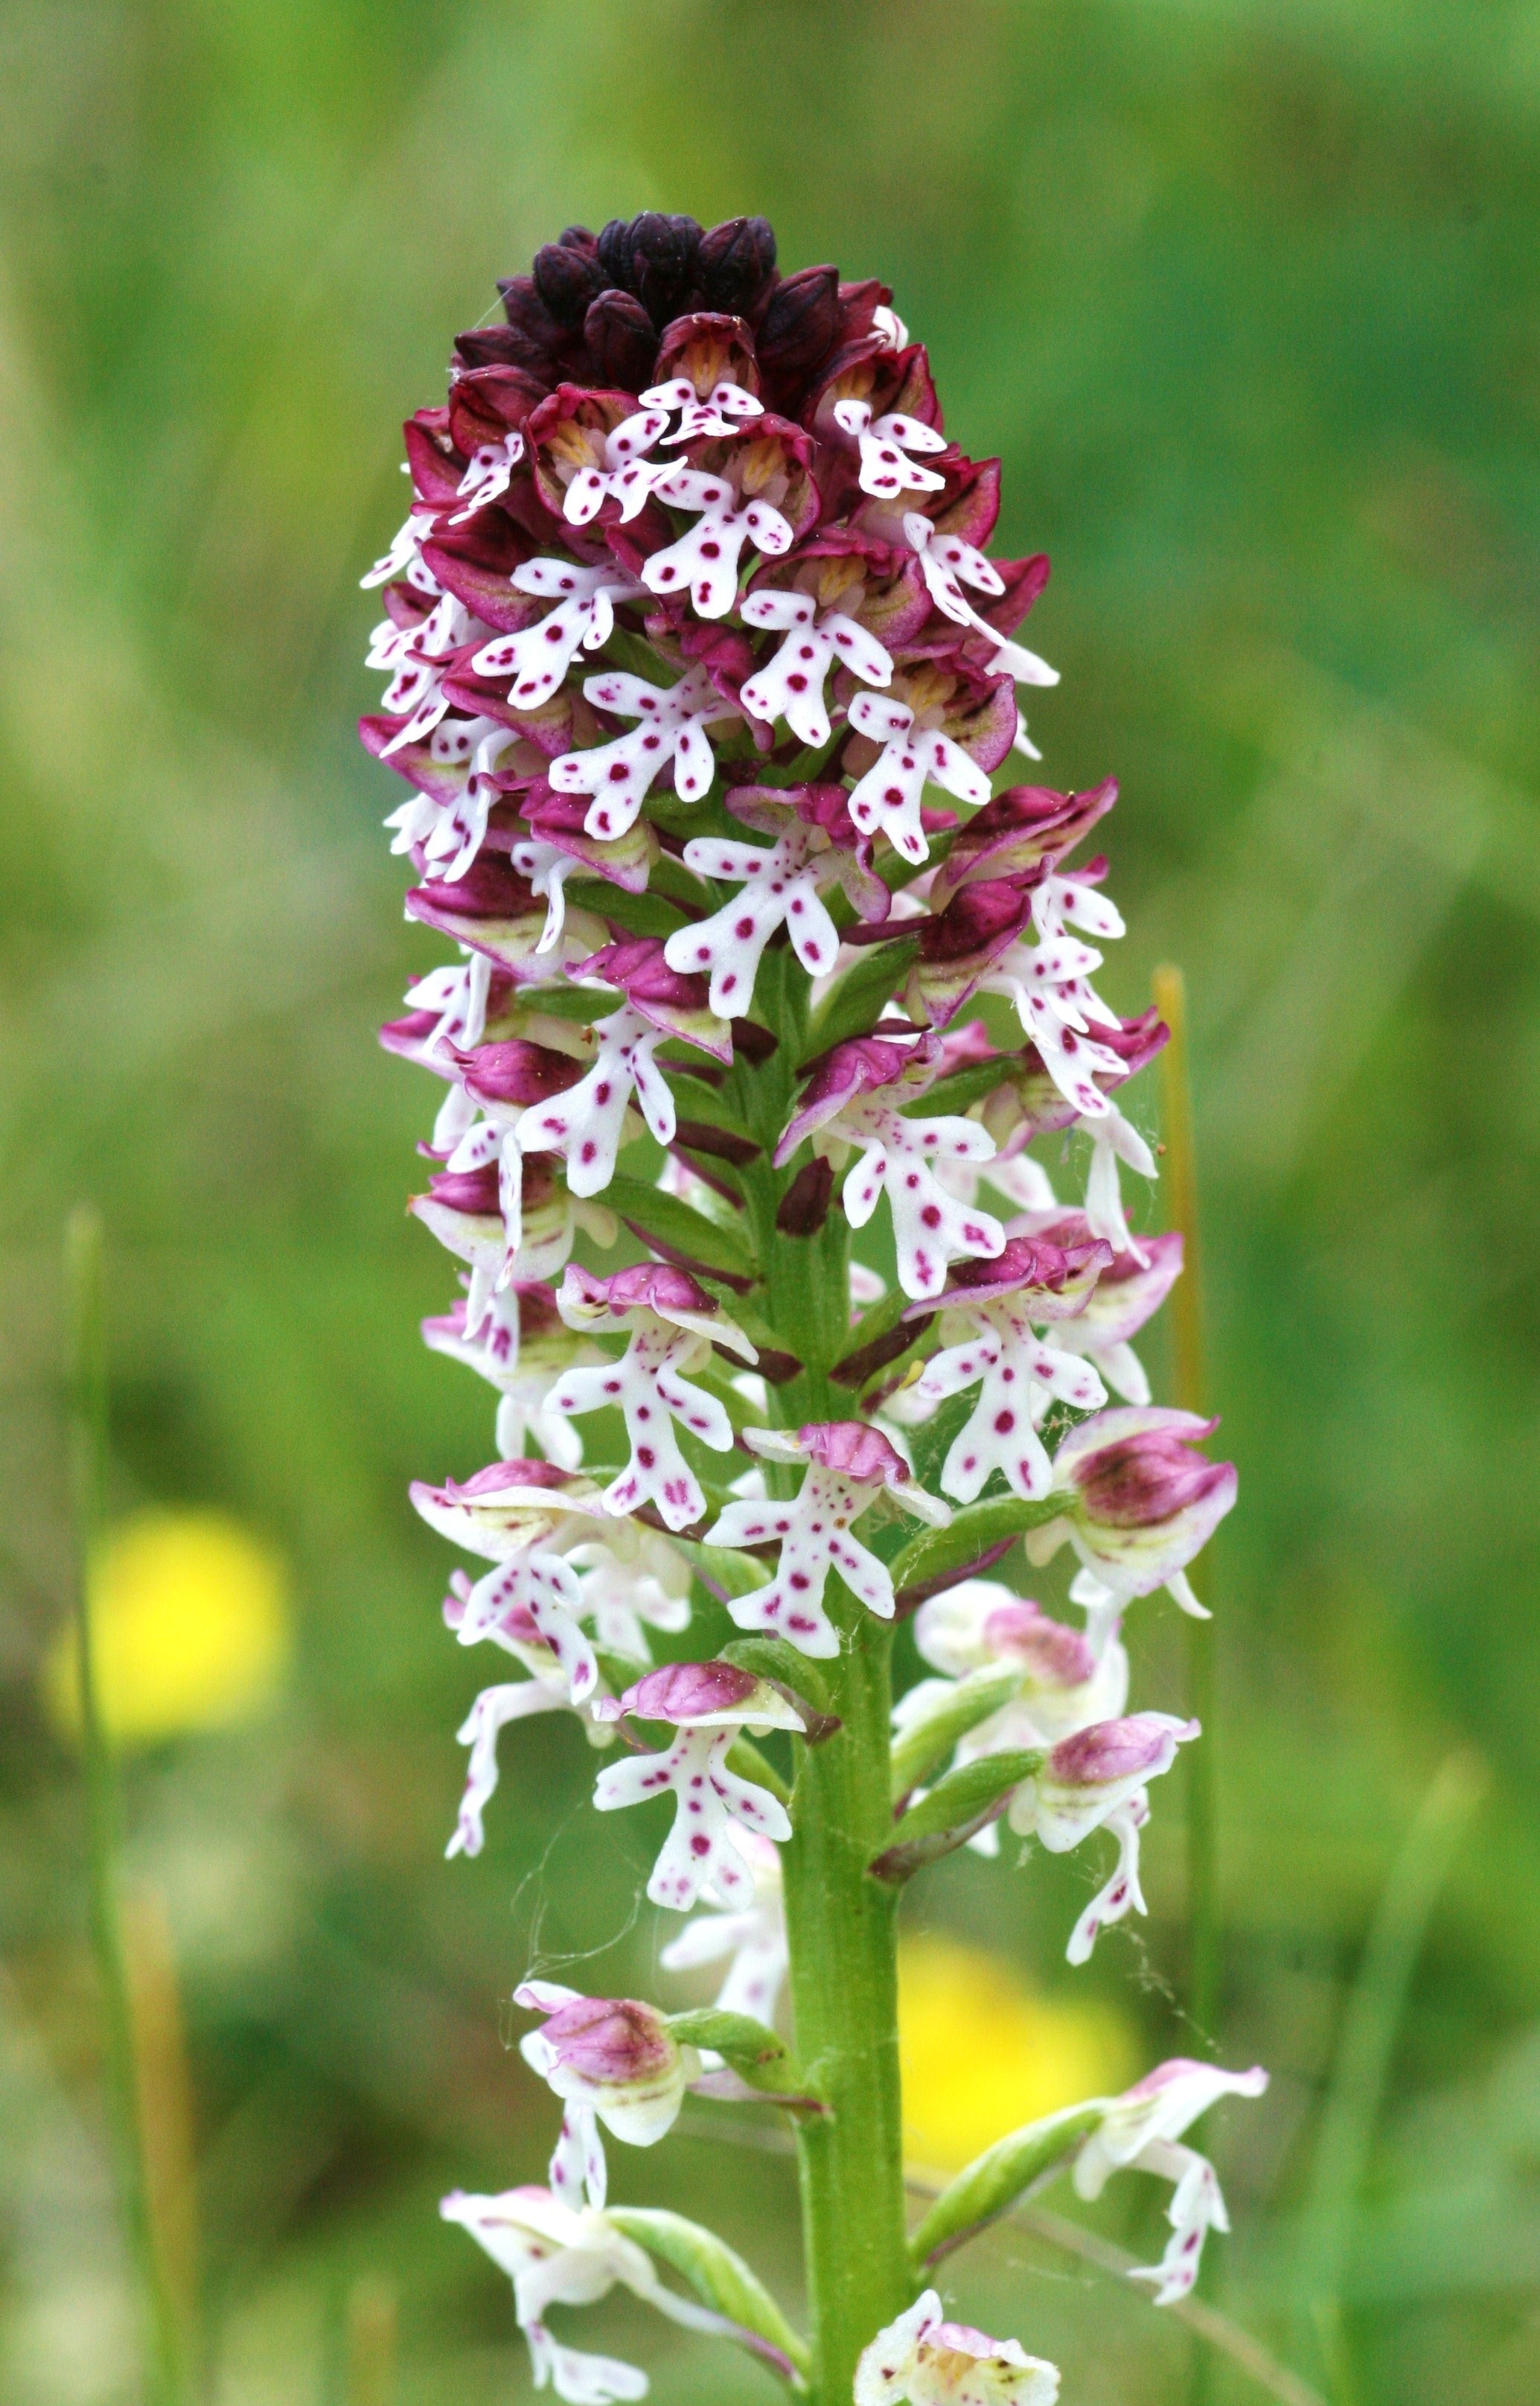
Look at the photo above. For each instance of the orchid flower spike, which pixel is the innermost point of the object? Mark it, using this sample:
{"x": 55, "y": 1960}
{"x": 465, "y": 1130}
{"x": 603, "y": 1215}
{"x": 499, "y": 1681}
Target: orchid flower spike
{"x": 609, "y": 2059}
{"x": 928, "y": 2361}
{"x": 711, "y": 1704}
{"x": 849, "y": 1466}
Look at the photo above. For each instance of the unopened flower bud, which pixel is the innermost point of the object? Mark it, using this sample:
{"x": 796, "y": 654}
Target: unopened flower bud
{"x": 622, "y": 341}
{"x": 736, "y": 264}
{"x": 612, "y": 2054}
{"x": 567, "y": 281}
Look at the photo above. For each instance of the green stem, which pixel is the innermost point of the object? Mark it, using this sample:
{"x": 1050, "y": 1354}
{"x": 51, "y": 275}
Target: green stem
{"x": 842, "y": 1927}
{"x": 165, "y": 2363}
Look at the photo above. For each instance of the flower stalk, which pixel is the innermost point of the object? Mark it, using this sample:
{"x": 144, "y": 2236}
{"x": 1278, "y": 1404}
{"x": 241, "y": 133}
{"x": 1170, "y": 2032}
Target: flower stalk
{"x": 704, "y": 687}
{"x": 163, "y": 2316}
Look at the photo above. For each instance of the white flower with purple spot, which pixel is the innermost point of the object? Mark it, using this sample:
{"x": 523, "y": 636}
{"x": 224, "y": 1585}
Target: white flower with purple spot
{"x": 1141, "y": 2131}
{"x": 672, "y": 1323}
{"x": 852, "y": 1099}
{"x": 521, "y": 1517}
{"x": 791, "y": 686}
{"x": 948, "y": 563}
{"x": 1139, "y": 1501}
{"x": 609, "y": 2059}
{"x": 926, "y": 2361}
{"x": 718, "y": 413}
{"x": 887, "y": 800}
{"x": 538, "y": 656}
{"x": 495, "y": 1708}
{"x": 702, "y": 566}
{"x": 1097, "y": 1778}
{"x": 711, "y": 1704}
{"x": 752, "y": 1936}
{"x": 849, "y": 1466}
{"x": 671, "y": 733}
{"x": 885, "y": 444}
{"x": 559, "y": 2257}
{"x": 1001, "y": 1304}
{"x": 489, "y": 474}
{"x": 626, "y": 475}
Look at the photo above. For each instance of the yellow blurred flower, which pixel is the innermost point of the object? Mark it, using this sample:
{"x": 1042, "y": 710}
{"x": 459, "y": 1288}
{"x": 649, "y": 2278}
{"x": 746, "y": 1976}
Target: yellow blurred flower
{"x": 191, "y": 1617}
{"x": 981, "y": 2055}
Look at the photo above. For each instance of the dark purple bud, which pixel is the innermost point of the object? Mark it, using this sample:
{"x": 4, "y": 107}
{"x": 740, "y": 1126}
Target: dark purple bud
{"x": 501, "y": 346}
{"x": 611, "y": 2040}
{"x": 539, "y": 339}
{"x": 473, "y": 1192}
{"x": 737, "y": 264}
{"x": 489, "y": 889}
{"x": 636, "y": 965}
{"x": 575, "y": 237}
{"x": 755, "y": 1042}
{"x": 981, "y": 920}
{"x": 567, "y": 281}
{"x": 804, "y": 1206}
{"x": 660, "y": 264}
{"x": 518, "y": 1071}
{"x": 622, "y": 341}
{"x": 1030, "y": 1263}
{"x": 801, "y": 319}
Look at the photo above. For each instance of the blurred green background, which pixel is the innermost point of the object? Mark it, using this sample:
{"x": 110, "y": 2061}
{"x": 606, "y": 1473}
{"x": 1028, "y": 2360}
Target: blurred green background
{"x": 1245, "y": 292}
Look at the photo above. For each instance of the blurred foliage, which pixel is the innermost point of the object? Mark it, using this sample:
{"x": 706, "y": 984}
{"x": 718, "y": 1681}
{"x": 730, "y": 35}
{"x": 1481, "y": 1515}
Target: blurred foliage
{"x": 1245, "y": 292}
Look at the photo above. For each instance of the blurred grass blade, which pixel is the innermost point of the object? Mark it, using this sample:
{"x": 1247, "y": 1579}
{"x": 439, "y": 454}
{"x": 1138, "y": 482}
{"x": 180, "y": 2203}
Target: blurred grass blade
{"x": 165, "y": 2362}
{"x": 164, "y": 2093}
{"x": 1369, "y": 2028}
{"x": 1205, "y": 1974}
{"x": 371, "y": 2321}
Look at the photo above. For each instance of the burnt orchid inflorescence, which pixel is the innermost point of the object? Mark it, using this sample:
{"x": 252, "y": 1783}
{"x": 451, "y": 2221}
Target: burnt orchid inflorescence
{"x": 705, "y": 692}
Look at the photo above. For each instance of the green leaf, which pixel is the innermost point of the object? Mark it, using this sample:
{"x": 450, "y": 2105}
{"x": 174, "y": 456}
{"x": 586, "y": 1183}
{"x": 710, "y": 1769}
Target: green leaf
{"x": 857, "y": 1001}
{"x": 755, "y": 2052}
{"x": 671, "y": 1223}
{"x": 639, "y": 914}
{"x": 726, "y": 1572}
{"x": 931, "y": 1442}
{"x": 924, "y": 1743}
{"x": 956, "y": 1808}
{"x": 938, "y": 1558}
{"x": 954, "y": 1094}
{"x": 721, "y": 2279}
{"x": 777, "y": 1658}
{"x": 992, "y": 2183}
